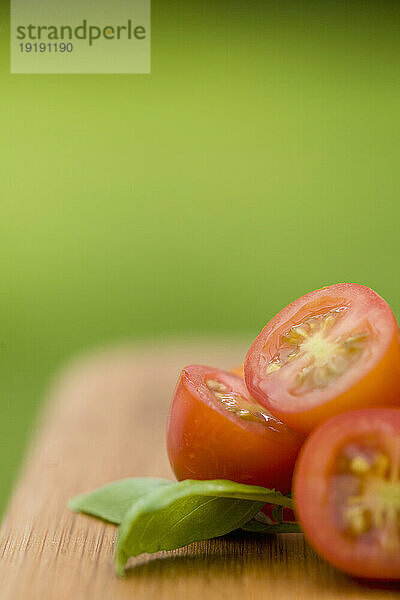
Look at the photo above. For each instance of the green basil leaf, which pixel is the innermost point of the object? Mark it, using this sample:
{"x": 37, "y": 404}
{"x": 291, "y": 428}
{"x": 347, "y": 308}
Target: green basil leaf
{"x": 258, "y": 527}
{"x": 113, "y": 500}
{"x": 188, "y": 511}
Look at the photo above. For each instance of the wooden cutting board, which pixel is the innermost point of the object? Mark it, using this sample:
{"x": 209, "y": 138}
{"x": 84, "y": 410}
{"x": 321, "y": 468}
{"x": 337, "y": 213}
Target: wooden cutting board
{"x": 105, "y": 419}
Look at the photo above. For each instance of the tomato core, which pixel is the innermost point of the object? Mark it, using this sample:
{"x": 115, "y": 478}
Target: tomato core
{"x": 319, "y": 355}
{"x": 366, "y": 487}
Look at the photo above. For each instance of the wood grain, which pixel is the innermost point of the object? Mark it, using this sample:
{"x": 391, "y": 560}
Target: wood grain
{"x": 105, "y": 419}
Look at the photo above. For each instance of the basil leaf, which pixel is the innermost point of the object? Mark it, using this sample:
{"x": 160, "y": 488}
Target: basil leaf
{"x": 113, "y": 500}
{"x": 258, "y": 527}
{"x": 173, "y": 516}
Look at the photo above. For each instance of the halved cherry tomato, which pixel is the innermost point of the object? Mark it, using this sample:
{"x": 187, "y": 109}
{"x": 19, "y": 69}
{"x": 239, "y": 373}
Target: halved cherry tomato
{"x": 333, "y": 350}
{"x": 216, "y": 431}
{"x": 347, "y": 492}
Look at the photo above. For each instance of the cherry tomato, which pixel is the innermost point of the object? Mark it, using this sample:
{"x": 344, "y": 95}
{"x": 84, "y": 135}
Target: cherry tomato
{"x": 333, "y": 350}
{"x": 216, "y": 431}
{"x": 347, "y": 492}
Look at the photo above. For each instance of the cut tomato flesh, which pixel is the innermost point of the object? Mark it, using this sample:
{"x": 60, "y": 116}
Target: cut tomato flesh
{"x": 347, "y": 492}
{"x": 335, "y": 349}
{"x": 318, "y": 351}
{"x": 366, "y": 483}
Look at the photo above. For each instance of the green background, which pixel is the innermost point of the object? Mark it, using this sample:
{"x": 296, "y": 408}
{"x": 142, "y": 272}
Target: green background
{"x": 258, "y": 161}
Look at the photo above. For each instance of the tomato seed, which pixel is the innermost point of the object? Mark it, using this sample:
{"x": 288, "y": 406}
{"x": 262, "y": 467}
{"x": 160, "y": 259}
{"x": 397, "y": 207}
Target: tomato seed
{"x": 216, "y": 386}
{"x": 327, "y": 358}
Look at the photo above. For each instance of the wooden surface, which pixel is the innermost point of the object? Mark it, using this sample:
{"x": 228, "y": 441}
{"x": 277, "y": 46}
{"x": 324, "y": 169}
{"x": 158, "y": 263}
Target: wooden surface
{"x": 105, "y": 419}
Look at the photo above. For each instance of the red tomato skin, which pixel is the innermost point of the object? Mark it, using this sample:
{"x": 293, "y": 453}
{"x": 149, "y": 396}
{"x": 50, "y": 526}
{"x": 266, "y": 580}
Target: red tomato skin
{"x": 378, "y": 387}
{"x": 310, "y": 490}
{"x": 205, "y": 441}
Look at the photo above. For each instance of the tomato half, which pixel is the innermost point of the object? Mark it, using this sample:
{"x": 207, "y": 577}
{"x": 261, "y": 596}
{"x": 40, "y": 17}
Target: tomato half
{"x": 216, "y": 431}
{"x": 347, "y": 492}
{"x": 333, "y": 350}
